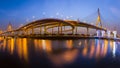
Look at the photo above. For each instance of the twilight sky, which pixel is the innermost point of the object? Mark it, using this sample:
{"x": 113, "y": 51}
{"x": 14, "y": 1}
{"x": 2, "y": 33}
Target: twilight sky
{"x": 22, "y": 11}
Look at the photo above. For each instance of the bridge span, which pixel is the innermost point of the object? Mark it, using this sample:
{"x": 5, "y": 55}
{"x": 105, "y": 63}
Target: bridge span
{"x": 58, "y": 28}
{"x": 51, "y": 26}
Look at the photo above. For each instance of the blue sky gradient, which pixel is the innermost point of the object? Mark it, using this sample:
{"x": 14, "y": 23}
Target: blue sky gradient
{"x": 22, "y": 11}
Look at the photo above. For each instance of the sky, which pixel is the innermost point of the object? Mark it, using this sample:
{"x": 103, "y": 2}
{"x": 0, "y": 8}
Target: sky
{"x": 20, "y": 12}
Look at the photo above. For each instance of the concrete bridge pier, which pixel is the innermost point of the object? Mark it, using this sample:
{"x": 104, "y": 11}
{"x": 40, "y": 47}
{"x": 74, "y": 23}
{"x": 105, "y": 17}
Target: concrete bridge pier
{"x": 76, "y": 30}
{"x": 114, "y": 34}
{"x": 52, "y": 30}
{"x": 45, "y": 30}
{"x": 58, "y": 30}
{"x": 40, "y": 30}
{"x": 108, "y": 33}
{"x": 102, "y": 33}
{"x": 98, "y": 33}
{"x": 61, "y": 28}
{"x": 87, "y": 31}
{"x": 32, "y": 31}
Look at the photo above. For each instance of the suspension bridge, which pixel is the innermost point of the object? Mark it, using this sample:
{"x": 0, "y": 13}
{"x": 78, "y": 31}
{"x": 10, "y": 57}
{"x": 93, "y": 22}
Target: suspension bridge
{"x": 59, "y": 28}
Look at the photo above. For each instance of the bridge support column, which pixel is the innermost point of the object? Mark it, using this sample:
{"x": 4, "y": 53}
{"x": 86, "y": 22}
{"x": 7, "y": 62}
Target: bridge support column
{"x": 98, "y": 33}
{"x": 114, "y": 34}
{"x": 23, "y": 32}
{"x": 26, "y": 32}
{"x": 45, "y": 30}
{"x": 32, "y": 31}
{"x": 64, "y": 28}
{"x": 87, "y": 31}
{"x": 108, "y": 33}
{"x": 52, "y": 31}
{"x": 76, "y": 30}
{"x": 102, "y": 33}
{"x": 72, "y": 32}
{"x": 18, "y": 33}
{"x": 40, "y": 30}
{"x": 60, "y": 28}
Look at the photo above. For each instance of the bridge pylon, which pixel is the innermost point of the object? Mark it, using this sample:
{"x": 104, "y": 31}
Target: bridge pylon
{"x": 98, "y": 19}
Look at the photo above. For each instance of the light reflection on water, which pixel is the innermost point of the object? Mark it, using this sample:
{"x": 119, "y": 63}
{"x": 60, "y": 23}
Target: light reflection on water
{"x": 59, "y": 52}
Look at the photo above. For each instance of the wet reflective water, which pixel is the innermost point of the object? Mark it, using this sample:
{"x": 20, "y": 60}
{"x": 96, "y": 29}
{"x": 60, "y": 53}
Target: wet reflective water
{"x": 39, "y": 53}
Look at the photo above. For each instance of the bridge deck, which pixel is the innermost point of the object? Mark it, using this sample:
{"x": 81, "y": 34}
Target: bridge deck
{"x": 61, "y": 37}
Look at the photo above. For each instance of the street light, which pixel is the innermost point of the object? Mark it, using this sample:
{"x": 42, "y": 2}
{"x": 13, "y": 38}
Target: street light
{"x": 51, "y": 16}
{"x": 33, "y": 18}
{"x": 44, "y": 13}
{"x": 27, "y": 20}
{"x": 67, "y": 17}
{"x": 21, "y": 25}
{"x": 57, "y": 14}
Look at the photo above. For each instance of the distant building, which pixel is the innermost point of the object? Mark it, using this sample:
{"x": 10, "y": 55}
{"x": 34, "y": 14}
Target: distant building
{"x": 1, "y": 31}
{"x": 9, "y": 28}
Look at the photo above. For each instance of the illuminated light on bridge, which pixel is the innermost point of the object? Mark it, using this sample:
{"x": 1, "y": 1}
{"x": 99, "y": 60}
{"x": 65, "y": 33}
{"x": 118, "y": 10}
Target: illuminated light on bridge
{"x": 27, "y": 20}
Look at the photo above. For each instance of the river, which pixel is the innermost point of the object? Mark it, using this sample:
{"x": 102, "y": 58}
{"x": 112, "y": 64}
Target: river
{"x": 42, "y": 53}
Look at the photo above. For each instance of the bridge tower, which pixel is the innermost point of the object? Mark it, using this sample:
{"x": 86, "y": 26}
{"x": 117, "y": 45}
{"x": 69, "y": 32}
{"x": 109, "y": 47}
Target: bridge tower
{"x": 98, "y": 23}
{"x": 9, "y": 27}
{"x": 98, "y": 19}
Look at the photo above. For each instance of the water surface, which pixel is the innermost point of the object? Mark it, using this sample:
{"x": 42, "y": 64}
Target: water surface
{"x": 40, "y": 53}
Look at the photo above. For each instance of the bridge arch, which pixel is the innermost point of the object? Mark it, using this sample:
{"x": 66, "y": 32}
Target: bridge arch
{"x": 51, "y": 26}
{"x": 46, "y": 24}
